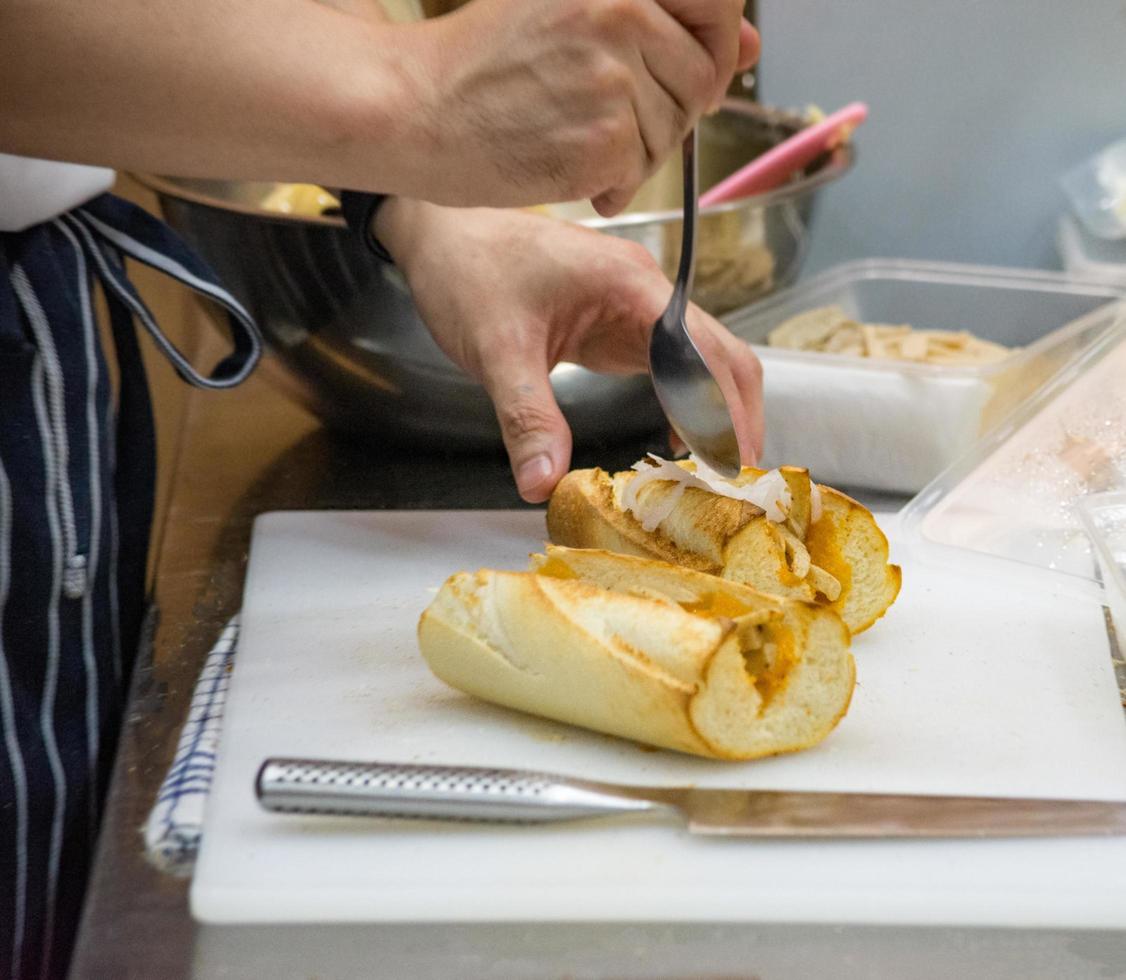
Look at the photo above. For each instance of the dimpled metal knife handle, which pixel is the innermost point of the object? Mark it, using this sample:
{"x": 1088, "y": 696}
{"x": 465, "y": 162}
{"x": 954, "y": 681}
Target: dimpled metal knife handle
{"x": 436, "y": 792}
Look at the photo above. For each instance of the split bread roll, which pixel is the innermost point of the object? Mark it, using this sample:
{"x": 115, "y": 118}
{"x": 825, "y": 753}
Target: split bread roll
{"x": 796, "y": 539}
{"x": 644, "y": 650}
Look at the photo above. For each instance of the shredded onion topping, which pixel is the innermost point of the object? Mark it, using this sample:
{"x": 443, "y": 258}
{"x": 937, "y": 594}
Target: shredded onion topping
{"x": 797, "y": 555}
{"x": 828, "y": 585}
{"x": 769, "y": 493}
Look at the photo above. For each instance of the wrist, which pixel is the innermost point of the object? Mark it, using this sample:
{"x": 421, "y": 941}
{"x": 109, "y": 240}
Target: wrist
{"x": 403, "y": 225}
{"x": 370, "y": 125}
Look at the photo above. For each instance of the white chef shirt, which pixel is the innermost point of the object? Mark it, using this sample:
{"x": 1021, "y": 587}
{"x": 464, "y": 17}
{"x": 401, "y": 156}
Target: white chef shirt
{"x": 32, "y": 190}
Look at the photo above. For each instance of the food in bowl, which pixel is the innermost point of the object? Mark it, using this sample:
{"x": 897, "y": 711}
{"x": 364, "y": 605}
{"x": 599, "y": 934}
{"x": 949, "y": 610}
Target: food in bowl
{"x": 303, "y": 200}
{"x": 733, "y": 265}
{"x": 349, "y": 334}
{"x": 828, "y": 329}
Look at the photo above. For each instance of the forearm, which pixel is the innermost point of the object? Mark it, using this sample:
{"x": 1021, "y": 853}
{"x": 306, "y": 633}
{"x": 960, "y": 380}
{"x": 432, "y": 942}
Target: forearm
{"x": 254, "y": 89}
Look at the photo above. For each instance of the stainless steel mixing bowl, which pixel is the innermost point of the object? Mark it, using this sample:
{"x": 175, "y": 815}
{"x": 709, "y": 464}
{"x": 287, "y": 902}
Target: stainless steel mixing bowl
{"x": 347, "y": 330}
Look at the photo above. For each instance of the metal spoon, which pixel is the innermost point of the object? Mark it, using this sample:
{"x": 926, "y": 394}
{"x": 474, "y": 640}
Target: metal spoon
{"x": 686, "y": 389}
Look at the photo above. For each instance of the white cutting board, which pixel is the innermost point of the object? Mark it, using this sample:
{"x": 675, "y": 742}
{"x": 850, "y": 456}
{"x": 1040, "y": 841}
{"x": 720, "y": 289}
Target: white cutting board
{"x": 967, "y": 686}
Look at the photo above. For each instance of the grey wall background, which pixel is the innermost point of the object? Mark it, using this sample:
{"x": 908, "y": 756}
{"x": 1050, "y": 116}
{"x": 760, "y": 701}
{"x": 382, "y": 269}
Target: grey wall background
{"x": 977, "y": 106}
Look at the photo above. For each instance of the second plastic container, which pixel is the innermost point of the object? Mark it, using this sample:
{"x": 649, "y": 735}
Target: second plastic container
{"x": 893, "y": 425}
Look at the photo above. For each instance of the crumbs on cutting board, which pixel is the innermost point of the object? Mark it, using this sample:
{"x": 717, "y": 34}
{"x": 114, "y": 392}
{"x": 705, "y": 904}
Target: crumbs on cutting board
{"x": 359, "y": 692}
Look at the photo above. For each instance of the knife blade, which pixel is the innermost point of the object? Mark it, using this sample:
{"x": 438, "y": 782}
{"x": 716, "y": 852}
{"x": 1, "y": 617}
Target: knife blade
{"x": 377, "y": 789}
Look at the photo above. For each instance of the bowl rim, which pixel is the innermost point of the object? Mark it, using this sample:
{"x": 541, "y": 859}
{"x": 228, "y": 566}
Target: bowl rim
{"x": 840, "y": 161}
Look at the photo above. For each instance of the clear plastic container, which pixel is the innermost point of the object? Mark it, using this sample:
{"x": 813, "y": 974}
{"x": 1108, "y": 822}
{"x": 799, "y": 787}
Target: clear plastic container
{"x": 894, "y": 426}
{"x": 1084, "y": 255}
{"x": 1043, "y": 498}
{"x": 1097, "y": 191}
{"x": 1104, "y": 519}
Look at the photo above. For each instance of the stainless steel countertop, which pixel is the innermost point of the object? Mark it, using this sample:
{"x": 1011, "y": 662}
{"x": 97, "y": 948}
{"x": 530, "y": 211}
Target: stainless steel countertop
{"x": 250, "y": 451}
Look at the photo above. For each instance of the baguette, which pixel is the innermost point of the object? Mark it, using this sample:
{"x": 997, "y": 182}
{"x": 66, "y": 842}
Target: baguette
{"x": 643, "y": 650}
{"x": 798, "y": 540}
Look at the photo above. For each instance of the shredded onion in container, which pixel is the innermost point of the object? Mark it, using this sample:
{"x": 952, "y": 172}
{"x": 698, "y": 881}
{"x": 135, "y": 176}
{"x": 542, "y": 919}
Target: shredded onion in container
{"x": 769, "y": 493}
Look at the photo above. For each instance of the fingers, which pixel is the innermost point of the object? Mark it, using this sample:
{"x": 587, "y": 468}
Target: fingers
{"x": 617, "y": 340}
{"x": 536, "y": 435}
{"x": 749, "y": 47}
{"x": 739, "y": 375}
{"x": 684, "y": 58}
{"x": 716, "y": 25}
{"x": 672, "y": 81}
{"x": 747, "y": 371}
{"x": 677, "y": 74}
{"x": 560, "y": 99}
{"x": 613, "y": 202}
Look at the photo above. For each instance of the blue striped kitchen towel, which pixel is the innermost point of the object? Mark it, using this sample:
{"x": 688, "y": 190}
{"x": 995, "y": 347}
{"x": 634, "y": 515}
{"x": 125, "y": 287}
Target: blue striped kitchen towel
{"x": 175, "y": 825}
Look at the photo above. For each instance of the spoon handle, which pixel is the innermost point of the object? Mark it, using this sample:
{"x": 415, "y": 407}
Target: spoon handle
{"x": 687, "y": 271}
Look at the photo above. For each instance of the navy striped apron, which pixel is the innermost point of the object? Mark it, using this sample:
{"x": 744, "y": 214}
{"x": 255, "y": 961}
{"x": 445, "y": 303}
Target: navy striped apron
{"x": 77, "y": 468}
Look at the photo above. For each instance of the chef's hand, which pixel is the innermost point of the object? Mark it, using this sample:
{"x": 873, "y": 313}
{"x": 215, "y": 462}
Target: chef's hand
{"x": 527, "y": 101}
{"x": 502, "y": 103}
{"x": 508, "y": 295}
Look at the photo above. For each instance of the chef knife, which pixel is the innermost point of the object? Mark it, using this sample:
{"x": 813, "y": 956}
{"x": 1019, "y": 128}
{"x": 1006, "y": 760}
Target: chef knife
{"x": 379, "y": 789}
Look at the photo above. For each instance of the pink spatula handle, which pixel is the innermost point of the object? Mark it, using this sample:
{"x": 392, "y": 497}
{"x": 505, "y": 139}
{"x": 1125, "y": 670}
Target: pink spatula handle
{"x": 775, "y": 166}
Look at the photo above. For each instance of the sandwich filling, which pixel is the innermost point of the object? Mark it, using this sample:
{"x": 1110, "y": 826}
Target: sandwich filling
{"x": 767, "y": 495}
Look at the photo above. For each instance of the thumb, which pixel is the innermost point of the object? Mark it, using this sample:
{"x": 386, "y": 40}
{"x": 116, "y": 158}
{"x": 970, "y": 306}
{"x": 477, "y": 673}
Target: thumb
{"x": 535, "y": 432}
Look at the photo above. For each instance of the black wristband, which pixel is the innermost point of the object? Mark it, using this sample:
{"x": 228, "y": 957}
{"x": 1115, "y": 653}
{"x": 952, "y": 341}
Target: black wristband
{"x": 359, "y": 208}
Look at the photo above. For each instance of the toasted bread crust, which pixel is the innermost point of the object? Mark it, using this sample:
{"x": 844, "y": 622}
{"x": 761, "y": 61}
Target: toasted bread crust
{"x": 581, "y": 514}
{"x": 733, "y": 543}
{"x": 848, "y": 543}
{"x": 803, "y": 691}
{"x": 644, "y": 650}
